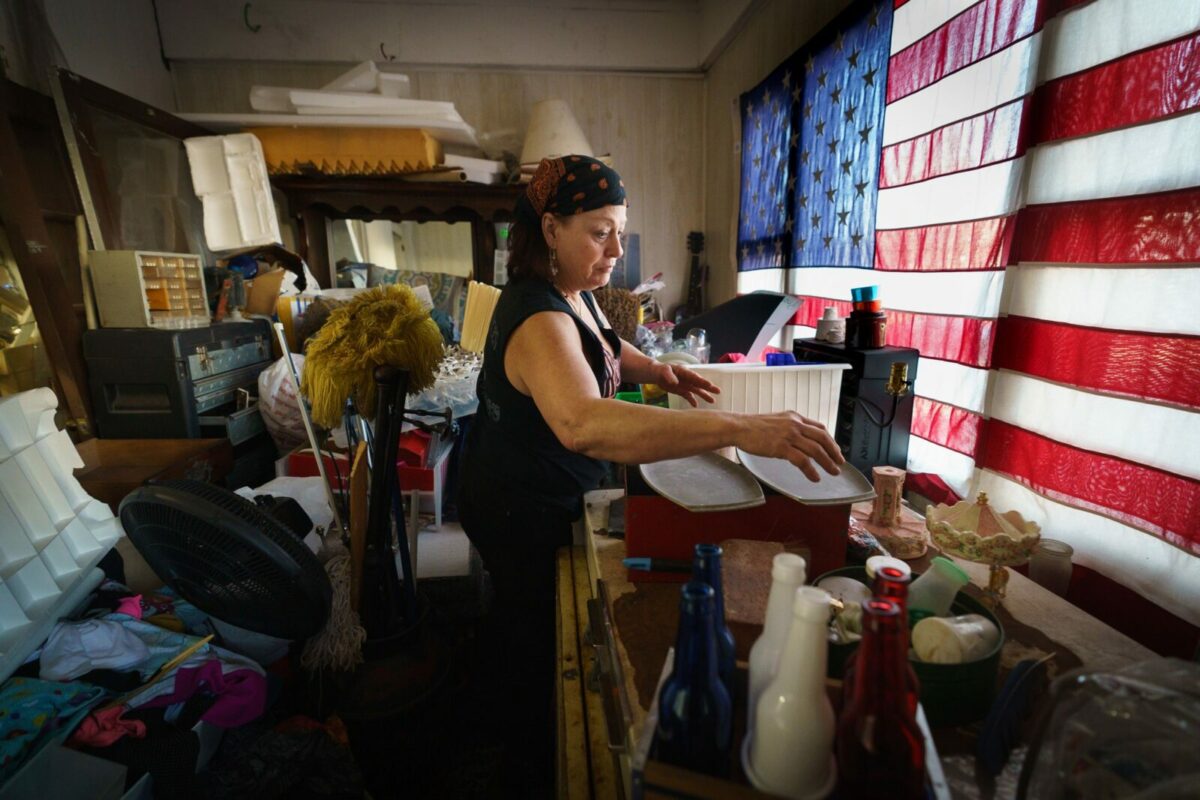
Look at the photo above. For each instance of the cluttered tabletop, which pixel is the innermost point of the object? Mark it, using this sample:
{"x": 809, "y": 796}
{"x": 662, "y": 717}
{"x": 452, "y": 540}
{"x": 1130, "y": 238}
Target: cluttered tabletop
{"x": 1038, "y": 625}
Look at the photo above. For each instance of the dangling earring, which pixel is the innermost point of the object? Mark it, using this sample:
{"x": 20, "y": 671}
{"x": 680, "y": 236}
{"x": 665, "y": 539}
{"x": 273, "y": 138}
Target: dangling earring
{"x": 553, "y": 263}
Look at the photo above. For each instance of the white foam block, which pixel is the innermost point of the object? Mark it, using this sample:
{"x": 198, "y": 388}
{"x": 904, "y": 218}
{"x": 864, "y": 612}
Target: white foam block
{"x": 40, "y": 477}
{"x": 59, "y": 563}
{"x": 34, "y": 588}
{"x": 64, "y": 451}
{"x": 95, "y": 512}
{"x": 14, "y": 430}
{"x": 80, "y": 542}
{"x": 229, "y": 175}
{"x": 13, "y": 621}
{"x": 24, "y": 501}
{"x": 35, "y": 404}
{"x": 15, "y": 549}
{"x": 76, "y": 496}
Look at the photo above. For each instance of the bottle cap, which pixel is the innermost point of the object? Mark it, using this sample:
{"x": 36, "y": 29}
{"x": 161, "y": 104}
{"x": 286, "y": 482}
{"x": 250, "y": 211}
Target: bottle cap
{"x": 875, "y": 563}
{"x": 789, "y": 568}
{"x": 811, "y": 604}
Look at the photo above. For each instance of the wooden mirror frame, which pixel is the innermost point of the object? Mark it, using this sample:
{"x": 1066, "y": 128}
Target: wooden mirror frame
{"x": 314, "y": 200}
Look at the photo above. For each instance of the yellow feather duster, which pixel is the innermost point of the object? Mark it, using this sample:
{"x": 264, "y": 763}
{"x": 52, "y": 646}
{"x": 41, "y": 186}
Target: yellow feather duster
{"x": 382, "y": 326}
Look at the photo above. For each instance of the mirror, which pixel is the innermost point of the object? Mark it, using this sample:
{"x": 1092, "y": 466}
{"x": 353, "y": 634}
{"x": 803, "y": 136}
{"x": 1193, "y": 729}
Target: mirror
{"x": 23, "y": 361}
{"x": 436, "y": 255}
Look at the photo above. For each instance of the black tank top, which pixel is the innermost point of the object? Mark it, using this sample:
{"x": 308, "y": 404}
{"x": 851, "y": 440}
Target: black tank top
{"x": 511, "y": 445}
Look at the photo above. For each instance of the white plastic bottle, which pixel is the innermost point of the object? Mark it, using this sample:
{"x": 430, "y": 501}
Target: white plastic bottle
{"x": 790, "y": 751}
{"x": 788, "y": 573}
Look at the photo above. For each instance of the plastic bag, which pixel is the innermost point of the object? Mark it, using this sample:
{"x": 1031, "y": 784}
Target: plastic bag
{"x": 279, "y": 407}
{"x": 1131, "y": 733}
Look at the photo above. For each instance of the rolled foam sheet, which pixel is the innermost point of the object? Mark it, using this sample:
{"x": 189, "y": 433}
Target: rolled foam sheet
{"x": 13, "y": 621}
{"x": 24, "y": 501}
{"x": 34, "y": 588}
{"x": 15, "y": 547}
{"x": 43, "y": 482}
{"x": 954, "y": 640}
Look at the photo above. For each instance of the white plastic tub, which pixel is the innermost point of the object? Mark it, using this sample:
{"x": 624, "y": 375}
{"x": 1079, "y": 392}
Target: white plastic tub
{"x": 812, "y": 390}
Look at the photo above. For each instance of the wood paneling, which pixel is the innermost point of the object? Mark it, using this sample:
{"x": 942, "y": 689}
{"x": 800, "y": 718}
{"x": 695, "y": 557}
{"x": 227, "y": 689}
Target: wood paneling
{"x": 651, "y": 124}
{"x": 772, "y": 34}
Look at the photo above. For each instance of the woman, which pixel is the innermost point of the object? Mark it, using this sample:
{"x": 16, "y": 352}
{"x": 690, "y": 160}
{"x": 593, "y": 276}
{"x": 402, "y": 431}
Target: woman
{"x": 547, "y": 421}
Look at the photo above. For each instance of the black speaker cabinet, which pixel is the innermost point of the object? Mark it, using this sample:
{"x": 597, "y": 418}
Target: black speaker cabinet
{"x": 865, "y": 402}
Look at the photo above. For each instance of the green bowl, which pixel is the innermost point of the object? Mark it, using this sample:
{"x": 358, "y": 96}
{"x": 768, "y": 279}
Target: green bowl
{"x": 952, "y": 694}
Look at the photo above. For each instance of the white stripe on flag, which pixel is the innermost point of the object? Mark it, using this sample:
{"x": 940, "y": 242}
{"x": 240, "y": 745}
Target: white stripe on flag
{"x": 1150, "y": 566}
{"x": 1158, "y": 436}
{"x": 949, "y": 465}
{"x": 916, "y": 20}
{"x": 989, "y": 191}
{"x": 974, "y": 293}
{"x": 761, "y": 280}
{"x": 953, "y": 383}
{"x": 1148, "y": 300}
{"x": 989, "y": 82}
{"x": 1137, "y": 160}
{"x": 1108, "y": 29}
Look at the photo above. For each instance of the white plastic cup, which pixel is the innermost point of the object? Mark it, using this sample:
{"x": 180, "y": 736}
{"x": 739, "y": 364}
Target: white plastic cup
{"x": 954, "y": 640}
{"x": 933, "y": 593}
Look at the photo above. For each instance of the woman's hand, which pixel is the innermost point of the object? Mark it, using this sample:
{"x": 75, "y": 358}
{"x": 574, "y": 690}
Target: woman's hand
{"x": 798, "y": 439}
{"x": 678, "y": 379}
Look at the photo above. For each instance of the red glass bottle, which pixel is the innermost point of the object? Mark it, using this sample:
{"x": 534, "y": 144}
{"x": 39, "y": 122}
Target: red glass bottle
{"x": 891, "y": 583}
{"x": 880, "y": 750}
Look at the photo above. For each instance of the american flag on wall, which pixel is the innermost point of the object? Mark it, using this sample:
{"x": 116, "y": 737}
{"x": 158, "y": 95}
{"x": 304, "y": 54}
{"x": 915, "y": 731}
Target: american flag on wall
{"x": 1031, "y": 215}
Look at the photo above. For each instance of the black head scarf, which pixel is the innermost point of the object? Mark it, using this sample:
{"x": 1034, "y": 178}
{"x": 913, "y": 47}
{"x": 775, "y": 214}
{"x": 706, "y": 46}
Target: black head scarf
{"x": 570, "y": 185}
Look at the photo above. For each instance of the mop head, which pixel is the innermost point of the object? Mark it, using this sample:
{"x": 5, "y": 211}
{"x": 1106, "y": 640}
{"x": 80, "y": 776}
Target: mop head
{"x": 384, "y": 326}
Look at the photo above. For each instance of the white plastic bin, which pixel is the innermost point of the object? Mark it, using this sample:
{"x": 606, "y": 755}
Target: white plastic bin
{"x": 809, "y": 389}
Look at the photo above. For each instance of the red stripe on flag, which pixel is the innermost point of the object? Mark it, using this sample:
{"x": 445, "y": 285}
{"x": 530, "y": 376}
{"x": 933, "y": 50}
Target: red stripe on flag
{"x": 949, "y": 426}
{"x": 1146, "y": 229}
{"x": 1160, "y": 502}
{"x": 1142, "y": 365}
{"x": 1133, "y": 89}
{"x": 983, "y": 29}
{"x": 965, "y": 340}
{"x": 898, "y": 3}
{"x": 980, "y": 244}
{"x": 987, "y": 138}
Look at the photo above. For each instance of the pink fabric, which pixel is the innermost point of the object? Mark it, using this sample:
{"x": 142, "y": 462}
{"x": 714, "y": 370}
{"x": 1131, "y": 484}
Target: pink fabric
{"x": 102, "y": 728}
{"x": 241, "y": 693}
{"x": 131, "y": 606}
{"x": 731, "y": 358}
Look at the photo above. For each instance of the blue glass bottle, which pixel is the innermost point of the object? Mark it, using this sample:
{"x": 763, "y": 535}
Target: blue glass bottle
{"x": 706, "y": 568}
{"x": 695, "y": 715}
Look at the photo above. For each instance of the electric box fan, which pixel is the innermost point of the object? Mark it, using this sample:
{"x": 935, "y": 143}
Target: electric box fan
{"x": 228, "y": 557}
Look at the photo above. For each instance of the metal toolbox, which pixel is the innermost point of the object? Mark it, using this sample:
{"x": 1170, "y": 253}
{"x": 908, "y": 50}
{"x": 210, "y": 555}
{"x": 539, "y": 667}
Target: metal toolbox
{"x": 177, "y": 384}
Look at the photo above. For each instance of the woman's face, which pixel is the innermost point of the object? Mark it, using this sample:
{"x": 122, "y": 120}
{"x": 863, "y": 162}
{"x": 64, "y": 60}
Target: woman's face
{"x": 588, "y": 246}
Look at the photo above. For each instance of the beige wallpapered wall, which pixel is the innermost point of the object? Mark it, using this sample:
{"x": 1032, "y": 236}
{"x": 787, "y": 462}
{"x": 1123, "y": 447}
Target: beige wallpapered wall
{"x": 652, "y": 125}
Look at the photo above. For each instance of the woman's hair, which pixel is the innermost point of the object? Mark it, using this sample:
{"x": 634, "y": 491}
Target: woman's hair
{"x": 528, "y": 253}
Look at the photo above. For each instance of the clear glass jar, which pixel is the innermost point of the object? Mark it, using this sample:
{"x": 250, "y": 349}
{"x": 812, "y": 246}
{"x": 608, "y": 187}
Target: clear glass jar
{"x": 1050, "y": 565}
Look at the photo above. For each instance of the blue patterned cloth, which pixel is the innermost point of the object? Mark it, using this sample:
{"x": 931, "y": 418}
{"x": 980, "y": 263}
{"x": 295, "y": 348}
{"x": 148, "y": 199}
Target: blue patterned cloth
{"x": 34, "y": 712}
